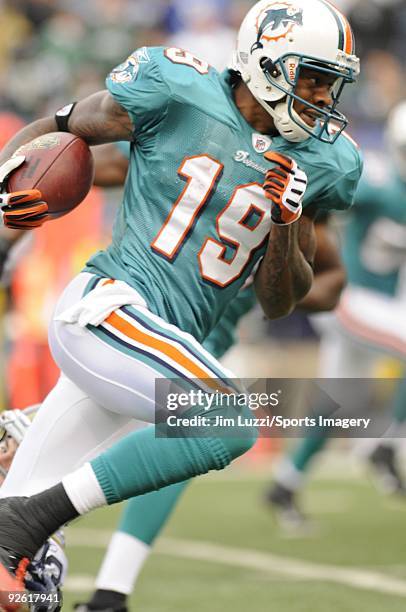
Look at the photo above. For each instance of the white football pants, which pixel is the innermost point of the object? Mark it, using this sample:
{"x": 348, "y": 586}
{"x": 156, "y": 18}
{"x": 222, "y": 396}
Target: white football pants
{"x": 108, "y": 379}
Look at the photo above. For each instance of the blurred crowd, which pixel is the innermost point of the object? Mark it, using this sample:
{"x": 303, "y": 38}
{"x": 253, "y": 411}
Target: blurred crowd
{"x": 53, "y": 51}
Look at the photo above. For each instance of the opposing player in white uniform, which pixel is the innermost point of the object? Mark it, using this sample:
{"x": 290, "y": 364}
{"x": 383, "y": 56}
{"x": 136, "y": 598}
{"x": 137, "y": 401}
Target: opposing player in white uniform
{"x": 196, "y": 218}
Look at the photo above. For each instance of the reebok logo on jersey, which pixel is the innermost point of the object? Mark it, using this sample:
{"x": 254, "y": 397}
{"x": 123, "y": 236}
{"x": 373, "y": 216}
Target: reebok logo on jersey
{"x": 243, "y": 157}
{"x": 142, "y": 55}
{"x": 261, "y": 143}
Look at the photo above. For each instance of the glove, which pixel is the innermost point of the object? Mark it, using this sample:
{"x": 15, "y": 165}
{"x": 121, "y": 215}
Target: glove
{"x": 285, "y": 186}
{"x": 20, "y": 209}
{"x": 23, "y": 210}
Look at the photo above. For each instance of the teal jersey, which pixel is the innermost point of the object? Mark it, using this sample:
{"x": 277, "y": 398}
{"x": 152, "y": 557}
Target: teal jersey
{"x": 223, "y": 335}
{"x": 375, "y": 236}
{"x": 194, "y": 219}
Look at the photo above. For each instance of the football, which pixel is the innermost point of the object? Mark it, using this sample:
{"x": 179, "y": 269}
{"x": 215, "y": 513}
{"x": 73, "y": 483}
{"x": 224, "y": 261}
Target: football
{"x": 60, "y": 165}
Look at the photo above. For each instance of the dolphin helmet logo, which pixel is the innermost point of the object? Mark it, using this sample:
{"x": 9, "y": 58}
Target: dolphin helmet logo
{"x": 276, "y": 22}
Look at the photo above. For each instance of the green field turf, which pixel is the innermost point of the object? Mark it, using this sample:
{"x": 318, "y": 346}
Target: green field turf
{"x": 223, "y": 551}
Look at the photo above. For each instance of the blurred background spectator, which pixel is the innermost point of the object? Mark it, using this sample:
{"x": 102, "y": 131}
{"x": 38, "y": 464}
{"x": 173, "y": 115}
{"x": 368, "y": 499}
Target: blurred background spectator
{"x": 54, "y": 50}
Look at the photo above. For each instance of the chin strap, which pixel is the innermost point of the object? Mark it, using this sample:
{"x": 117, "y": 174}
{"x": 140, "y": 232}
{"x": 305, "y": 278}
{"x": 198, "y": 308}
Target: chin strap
{"x": 286, "y": 127}
{"x": 289, "y": 129}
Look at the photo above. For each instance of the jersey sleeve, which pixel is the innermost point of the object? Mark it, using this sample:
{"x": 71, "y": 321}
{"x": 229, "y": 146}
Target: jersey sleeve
{"x": 138, "y": 86}
{"x": 340, "y": 194}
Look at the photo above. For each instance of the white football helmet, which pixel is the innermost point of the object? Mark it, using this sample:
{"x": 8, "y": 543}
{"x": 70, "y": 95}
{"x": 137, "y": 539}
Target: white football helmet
{"x": 279, "y": 38}
{"x": 396, "y": 137}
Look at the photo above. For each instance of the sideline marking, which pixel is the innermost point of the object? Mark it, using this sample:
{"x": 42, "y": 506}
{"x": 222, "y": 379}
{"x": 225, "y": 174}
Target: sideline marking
{"x": 245, "y": 558}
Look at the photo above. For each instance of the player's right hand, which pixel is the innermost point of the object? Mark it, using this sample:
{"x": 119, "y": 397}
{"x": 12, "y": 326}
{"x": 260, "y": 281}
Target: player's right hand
{"x": 285, "y": 185}
{"x": 23, "y": 210}
{"x": 20, "y": 209}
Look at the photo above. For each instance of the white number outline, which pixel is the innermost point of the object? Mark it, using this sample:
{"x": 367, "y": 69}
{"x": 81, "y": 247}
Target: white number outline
{"x": 181, "y": 56}
{"x": 200, "y": 204}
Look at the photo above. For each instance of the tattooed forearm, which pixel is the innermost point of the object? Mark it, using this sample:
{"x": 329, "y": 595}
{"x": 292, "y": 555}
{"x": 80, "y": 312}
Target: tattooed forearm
{"x": 99, "y": 119}
{"x": 307, "y": 239}
{"x": 285, "y": 275}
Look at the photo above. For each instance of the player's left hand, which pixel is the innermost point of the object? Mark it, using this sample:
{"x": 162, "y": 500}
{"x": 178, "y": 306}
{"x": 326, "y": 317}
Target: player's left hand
{"x": 285, "y": 184}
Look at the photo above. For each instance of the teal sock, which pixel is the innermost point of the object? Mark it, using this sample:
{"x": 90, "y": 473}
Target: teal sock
{"x": 145, "y": 516}
{"x": 307, "y": 449}
{"x": 141, "y": 463}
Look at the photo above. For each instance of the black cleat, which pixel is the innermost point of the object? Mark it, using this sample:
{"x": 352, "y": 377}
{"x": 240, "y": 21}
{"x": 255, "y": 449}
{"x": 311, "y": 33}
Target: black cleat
{"x": 104, "y": 601}
{"x": 284, "y": 504}
{"x": 385, "y": 469}
{"x": 14, "y": 555}
{"x": 25, "y": 525}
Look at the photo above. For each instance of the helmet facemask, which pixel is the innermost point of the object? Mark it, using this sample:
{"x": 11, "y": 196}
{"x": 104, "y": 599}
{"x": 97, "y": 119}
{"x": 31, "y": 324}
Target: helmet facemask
{"x": 330, "y": 122}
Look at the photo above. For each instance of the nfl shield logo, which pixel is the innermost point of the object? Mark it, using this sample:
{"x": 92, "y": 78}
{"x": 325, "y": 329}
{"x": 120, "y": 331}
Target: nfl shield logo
{"x": 261, "y": 143}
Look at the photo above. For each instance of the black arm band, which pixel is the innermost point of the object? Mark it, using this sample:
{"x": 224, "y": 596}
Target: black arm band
{"x": 62, "y": 117}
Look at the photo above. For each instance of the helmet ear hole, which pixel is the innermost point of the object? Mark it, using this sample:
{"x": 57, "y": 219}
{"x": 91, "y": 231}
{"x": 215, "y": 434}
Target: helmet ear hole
{"x": 267, "y": 65}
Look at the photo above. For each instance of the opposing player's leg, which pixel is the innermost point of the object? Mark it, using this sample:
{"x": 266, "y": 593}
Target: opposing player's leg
{"x": 377, "y": 321}
{"x": 142, "y": 521}
{"x": 290, "y": 478}
{"x": 383, "y": 458}
{"x": 116, "y": 363}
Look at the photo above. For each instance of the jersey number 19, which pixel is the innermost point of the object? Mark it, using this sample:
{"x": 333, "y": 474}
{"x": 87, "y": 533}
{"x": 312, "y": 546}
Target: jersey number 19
{"x": 242, "y": 225}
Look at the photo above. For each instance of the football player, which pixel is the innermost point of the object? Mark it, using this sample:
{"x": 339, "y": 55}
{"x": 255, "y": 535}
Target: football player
{"x": 370, "y": 320}
{"x": 201, "y": 208}
{"x": 145, "y": 516}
